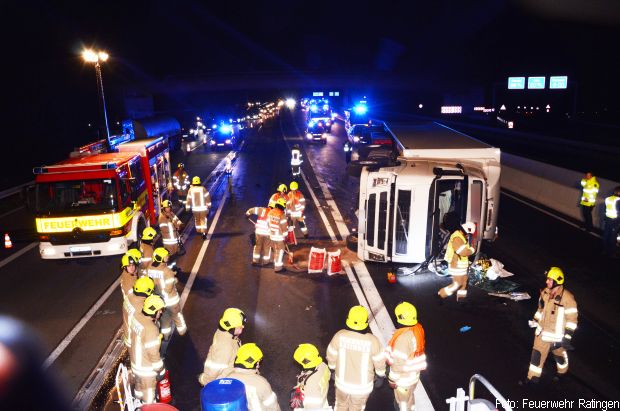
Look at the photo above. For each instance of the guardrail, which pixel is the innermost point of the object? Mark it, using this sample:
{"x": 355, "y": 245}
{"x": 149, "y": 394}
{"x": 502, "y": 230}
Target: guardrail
{"x": 14, "y": 190}
{"x": 554, "y": 187}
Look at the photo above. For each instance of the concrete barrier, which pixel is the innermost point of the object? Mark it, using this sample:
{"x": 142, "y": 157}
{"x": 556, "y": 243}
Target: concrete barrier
{"x": 555, "y": 187}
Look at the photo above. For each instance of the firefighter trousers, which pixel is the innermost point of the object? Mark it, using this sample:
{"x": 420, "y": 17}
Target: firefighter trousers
{"x": 200, "y": 221}
{"x": 404, "y": 398}
{"x": 262, "y": 250}
{"x": 277, "y": 249}
{"x": 348, "y": 402}
{"x": 539, "y": 355}
{"x": 459, "y": 282}
{"x": 144, "y": 389}
{"x": 302, "y": 224}
{"x": 172, "y": 314}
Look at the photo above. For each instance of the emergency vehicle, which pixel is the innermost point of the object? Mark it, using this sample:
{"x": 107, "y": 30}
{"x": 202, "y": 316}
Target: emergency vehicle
{"x": 402, "y": 202}
{"x": 97, "y": 203}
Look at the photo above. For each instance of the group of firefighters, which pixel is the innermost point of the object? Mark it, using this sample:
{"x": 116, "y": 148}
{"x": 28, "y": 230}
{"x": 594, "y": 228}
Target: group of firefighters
{"x": 611, "y": 226}
{"x": 355, "y": 356}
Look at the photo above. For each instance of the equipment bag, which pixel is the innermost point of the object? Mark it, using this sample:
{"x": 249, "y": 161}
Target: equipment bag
{"x": 316, "y": 261}
{"x": 290, "y": 237}
{"x": 334, "y": 265}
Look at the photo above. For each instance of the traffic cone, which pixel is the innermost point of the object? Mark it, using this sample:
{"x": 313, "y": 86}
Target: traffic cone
{"x": 391, "y": 277}
{"x": 7, "y": 241}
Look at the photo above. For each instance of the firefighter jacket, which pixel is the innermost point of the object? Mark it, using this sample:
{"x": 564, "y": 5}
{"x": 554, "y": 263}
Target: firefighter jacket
{"x": 556, "y": 316}
{"x": 296, "y": 204}
{"x": 612, "y": 204}
{"x": 221, "y": 355}
{"x": 165, "y": 283}
{"x": 355, "y": 357}
{"x": 180, "y": 180}
{"x": 169, "y": 225}
{"x": 296, "y": 157}
{"x": 146, "y": 340}
{"x": 278, "y": 225}
{"x": 405, "y": 355}
{"x": 258, "y": 391}
{"x": 198, "y": 199}
{"x": 262, "y": 221}
{"x": 314, "y": 385}
{"x": 147, "y": 254}
{"x": 277, "y": 196}
{"x": 127, "y": 281}
{"x": 590, "y": 190}
{"x": 132, "y": 306}
{"x": 457, "y": 252}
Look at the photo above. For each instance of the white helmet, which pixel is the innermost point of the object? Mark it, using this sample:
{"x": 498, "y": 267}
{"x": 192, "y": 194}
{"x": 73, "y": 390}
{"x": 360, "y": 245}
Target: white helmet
{"x": 469, "y": 227}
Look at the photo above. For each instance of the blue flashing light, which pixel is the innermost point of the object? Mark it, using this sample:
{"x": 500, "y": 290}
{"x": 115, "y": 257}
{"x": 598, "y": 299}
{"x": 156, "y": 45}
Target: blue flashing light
{"x": 311, "y": 123}
{"x": 325, "y": 106}
{"x": 360, "y": 109}
{"x": 314, "y": 108}
{"x": 214, "y": 126}
{"x": 225, "y": 128}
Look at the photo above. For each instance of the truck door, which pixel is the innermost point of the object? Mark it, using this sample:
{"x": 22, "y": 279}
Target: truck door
{"x": 449, "y": 194}
{"x": 379, "y": 209}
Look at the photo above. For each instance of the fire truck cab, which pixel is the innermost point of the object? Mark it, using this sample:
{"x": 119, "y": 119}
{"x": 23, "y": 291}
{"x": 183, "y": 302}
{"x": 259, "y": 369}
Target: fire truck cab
{"x": 96, "y": 203}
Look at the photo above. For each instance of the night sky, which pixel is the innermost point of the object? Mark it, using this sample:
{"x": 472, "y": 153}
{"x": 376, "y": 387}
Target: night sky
{"x": 447, "y": 45}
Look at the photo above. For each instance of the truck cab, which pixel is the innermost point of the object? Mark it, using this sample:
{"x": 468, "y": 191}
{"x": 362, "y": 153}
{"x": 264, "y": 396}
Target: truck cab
{"x": 438, "y": 171}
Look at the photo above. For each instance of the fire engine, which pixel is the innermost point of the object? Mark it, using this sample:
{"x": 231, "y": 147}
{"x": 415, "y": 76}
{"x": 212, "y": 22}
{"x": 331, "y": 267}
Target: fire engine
{"x": 97, "y": 203}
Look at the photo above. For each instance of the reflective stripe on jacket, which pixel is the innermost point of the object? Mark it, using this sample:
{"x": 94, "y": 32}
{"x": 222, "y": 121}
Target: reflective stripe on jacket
{"x": 198, "y": 198}
{"x": 611, "y": 207}
{"x": 262, "y": 222}
{"x": 457, "y": 252}
{"x": 278, "y": 225}
{"x": 405, "y": 355}
{"x": 590, "y": 190}
{"x": 556, "y": 315}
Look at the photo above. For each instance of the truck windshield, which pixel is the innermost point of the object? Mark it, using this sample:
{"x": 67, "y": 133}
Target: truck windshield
{"x": 76, "y": 197}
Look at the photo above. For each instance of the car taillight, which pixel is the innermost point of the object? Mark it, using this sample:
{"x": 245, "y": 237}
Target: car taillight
{"x": 117, "y": 232}
{"x": 44, "y": 237}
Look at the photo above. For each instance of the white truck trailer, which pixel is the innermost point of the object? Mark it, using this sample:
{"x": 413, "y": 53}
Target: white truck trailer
{"x": 438, "y": 170}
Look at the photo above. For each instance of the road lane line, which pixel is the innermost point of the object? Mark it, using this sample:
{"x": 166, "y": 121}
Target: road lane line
{"x": 318, "y": 206}
{"x": 18, "y": 254}
{"x": 78, "y": 327}
{"x": 11, "y": 212}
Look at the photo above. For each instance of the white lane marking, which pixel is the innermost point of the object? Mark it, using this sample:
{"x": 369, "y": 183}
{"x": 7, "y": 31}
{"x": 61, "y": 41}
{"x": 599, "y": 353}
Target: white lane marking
{"x": 78, "y": 327}
{"x": 548, "y": 213}
{"x": 12, "y": 211}
{"x": 18, "y": 254}
{"x": 380, "y": 322}
{"x": 318, "y": 206}
{"x": 203, "y": 250}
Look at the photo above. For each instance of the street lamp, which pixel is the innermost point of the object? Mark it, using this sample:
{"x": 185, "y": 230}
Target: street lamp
{"x": 91, "y": 56}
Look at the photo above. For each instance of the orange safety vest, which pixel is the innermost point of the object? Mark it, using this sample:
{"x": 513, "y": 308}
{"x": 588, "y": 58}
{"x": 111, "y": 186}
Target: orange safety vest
{"x": 275, "y": 217}
{"x": 418, "y": 333}
{"x": 262, "y": 222}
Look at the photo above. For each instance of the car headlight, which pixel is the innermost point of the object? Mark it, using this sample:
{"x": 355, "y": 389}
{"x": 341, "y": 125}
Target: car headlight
{"x": 308, "y": 135}
{"x": 48, "y": 251}
{"x": 356, "y": 139}
{"x": 227, "y": 141}
{"x": 212, "y": 142}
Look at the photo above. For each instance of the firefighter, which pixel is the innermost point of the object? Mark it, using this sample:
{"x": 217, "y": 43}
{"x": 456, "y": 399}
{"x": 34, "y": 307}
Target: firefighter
{"x": 180, "y": 180}
{"x": 169, "y": 225}
{"x": 147, "y": 365}
{"x": 355, "y": 356}
{"x": 457, "y": 254}
{"x": 405, "y": 356}
{"x": 165, "y": 285}
{"x": 259, "y": 394}
{"x": 280, "y": 193}
{"x": 278, "y": 228}
{"x": 612, "y": 222}
{"x": 129, "y": 263}
{"x": 147, "y": 247}
{"x": 261, "y": 253}
{"x": 199, "y": 200}
{"x": 588, "y": 199}
{"x": 296, "y": 206}
{"x": 348, "y": 151}
{"x": 225, "y": 345}
{"x": 555, "y": 322}
{"x": 143, "y": 287}
{"x": 312, "y": 381}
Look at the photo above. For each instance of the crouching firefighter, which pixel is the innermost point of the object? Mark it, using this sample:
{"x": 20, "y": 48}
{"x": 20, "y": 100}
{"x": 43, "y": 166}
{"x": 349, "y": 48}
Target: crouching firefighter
{"x": 165, "y": 285}
{"x": 278, "y": 229}
{"x": 555, "y": 322}
{"x": 457, "y": 254}
{"x": 147, "y": 366}
{"x": 261, "y": 253}
{"x": 405, "y": 356}
{"x": 199, "y": 200}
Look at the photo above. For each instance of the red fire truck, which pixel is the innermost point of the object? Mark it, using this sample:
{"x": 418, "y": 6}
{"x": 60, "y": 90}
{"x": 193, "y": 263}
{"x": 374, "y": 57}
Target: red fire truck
{"x": 97, "y": 203}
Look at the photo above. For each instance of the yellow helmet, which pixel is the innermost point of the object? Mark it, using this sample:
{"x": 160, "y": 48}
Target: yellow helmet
{"x": 281, "y": 202}
{"x": 143, "y": 286}
{"x": 127, "y": 259}
{"x": 406, "y": 314}
{"x": 358, "y": 318}
{"x": 149, "y": 233}
{"x": 166, "y": 203}
{"x": 159, "y": 254}
{"x": 152, "y": 304}
{"x": 307, "y": 356}
{"x": 135, "y": 253}
{"x": 282, "y": 188}
{"x": 195, "y": 180}
{"x": 232, "y": 318}
{"x": 293, "y": 185}
{"x": 556, "y": 274}
{"x": 248, "y": 355}
{"x": 181, "y": 165}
